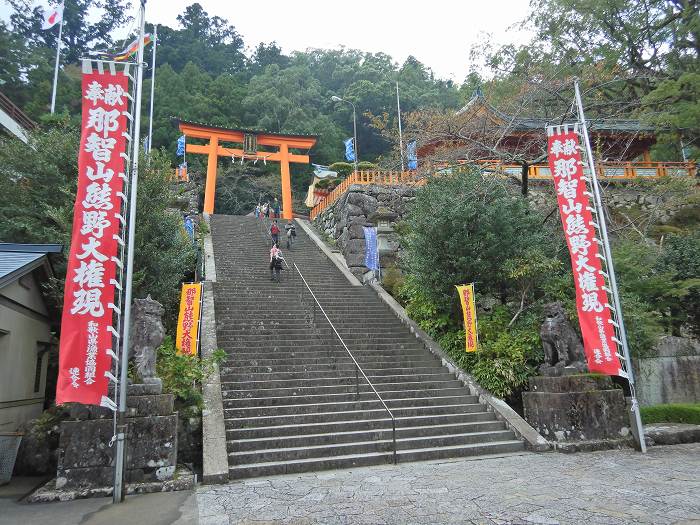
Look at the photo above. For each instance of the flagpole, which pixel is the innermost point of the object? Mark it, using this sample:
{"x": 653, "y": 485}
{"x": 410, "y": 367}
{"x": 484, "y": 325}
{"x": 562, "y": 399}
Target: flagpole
{"x": 607, "y": 254}
{"x": 398, "y": 107}
{"x": 55, "y": 71}
{"x": 119, "y": 465}
{"x": 153, "y": 84}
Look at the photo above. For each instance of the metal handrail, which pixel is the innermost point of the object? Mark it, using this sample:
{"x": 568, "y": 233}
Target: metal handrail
{"x": 358, "y": 368}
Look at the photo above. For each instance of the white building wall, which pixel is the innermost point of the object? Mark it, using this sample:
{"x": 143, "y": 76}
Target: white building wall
{"x": 20, "y": 334}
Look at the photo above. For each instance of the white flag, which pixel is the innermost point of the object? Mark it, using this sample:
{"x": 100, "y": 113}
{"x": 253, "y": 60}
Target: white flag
{"x": 52, "y": 16}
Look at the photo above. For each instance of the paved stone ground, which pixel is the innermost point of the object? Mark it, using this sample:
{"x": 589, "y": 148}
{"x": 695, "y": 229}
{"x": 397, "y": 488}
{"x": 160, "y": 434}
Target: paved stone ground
{"x": 609, "y": 487}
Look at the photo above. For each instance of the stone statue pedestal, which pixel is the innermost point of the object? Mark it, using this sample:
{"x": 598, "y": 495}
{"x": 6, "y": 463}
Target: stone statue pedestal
{"x": 578, "y": 412}
{"x": 86, "y": 461}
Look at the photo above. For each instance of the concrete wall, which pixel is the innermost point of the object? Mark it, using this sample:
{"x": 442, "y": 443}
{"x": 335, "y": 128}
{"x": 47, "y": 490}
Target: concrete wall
{"x": 670, "y": 376}
{"x": 22, "y": 327}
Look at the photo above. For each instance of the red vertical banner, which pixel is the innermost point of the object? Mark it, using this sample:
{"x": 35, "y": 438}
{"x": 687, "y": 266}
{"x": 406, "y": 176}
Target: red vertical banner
{"x": 577, "y": 220}
{"x": 86, "y": 325}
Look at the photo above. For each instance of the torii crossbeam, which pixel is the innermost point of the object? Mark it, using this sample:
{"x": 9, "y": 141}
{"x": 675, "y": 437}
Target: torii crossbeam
{"x": 249, "y": 141}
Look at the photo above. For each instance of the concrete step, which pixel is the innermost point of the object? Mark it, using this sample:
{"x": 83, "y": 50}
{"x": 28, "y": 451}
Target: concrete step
{"x": 382, "y": 433}
{"x": 245, "y": 383}
{"x": 290, "y": 395}
{"x": 348, "y": 415}
{"x": 234, "y": 390}
{"x": 347, "y": 396}
{"x": 250, "y": 365}
{"x": 375, "y": 458}
{"x": 333, "y": 448}
{"x": 234, "y": 432}
{"x": 235, "y": 374}
{"x": 249, "y": 349}
{"x": 232, "y": 410}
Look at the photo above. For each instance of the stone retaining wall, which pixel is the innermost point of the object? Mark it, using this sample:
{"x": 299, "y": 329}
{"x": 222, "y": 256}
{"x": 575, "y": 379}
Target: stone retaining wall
{"x": 384, "y": 206}
{"x": 670, "y": 376}
{"x": 366, "y": 205}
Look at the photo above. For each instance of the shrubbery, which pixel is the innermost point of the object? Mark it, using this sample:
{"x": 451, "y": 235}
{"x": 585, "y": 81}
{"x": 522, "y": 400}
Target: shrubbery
{"x": 468, "y": 227}
{"x": 672, "y": 413}
{"x": 182, "y": 375}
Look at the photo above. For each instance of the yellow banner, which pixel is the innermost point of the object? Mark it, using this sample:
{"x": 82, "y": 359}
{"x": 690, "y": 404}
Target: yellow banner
{"x": 466, "y": 297}
{"x": 188, "y": 320}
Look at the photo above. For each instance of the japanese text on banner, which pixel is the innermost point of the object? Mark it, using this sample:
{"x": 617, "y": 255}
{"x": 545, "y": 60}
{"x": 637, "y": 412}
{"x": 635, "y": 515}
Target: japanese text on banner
{"x": 91, "y": 273}
{"x": 577, "y": 221}
{"x": 466, "y": 297}
{"x": 188, "y": 319}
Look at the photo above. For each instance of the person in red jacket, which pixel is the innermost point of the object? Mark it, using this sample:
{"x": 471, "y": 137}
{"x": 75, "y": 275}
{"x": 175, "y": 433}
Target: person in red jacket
{"x": 275, "y": 232}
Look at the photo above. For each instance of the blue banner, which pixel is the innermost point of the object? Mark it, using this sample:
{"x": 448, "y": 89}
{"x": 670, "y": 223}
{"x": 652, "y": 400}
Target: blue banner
{"x": 412, "y": 155}
{"x": 349, "y": 150}
{"x": 180, "y": 146}
{"x": 189, "y": 227}
{"x": 371, "y": 248}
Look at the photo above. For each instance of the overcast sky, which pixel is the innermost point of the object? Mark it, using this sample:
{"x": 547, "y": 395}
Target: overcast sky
{"x": 439, "y": 33}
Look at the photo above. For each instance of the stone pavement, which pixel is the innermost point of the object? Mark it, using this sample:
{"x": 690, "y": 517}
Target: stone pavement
{"x": 609, "y": 487}
{"x": 161, "y": 508}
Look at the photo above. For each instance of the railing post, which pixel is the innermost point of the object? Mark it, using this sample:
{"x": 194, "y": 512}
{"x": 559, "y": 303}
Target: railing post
{"x": 357, "y": 380}
{"x": 393, "y": 436}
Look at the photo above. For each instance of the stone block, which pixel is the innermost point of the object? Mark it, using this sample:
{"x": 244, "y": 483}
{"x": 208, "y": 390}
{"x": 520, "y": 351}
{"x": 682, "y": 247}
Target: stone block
{"x": 570, "y": 383}
{"x": 157, "y": 405}
{"x": 354, "y": 252}
{"x": 85, "y": 444}
{"x": 144, "y": 389}
{"x": 355, "y": 231}
{"x": 576, "y": 408}
{"x": 82, "y": 412}
{"x": 86, "y": 459}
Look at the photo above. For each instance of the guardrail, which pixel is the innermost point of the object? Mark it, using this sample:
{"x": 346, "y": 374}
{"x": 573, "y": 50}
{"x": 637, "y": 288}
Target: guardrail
{"x": 16, "y": 114}
{"x": 383, "y": 178}
{"x": 358, "y": 368}
{"x": 611, "y": 171}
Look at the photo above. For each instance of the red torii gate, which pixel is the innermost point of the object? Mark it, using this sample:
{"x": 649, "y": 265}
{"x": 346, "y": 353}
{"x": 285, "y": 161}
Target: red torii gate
{"x": 249, "y": 140}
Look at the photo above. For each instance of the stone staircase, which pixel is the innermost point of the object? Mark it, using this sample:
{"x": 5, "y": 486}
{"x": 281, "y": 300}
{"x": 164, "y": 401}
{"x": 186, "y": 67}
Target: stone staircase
{"x": 289, "y": 387}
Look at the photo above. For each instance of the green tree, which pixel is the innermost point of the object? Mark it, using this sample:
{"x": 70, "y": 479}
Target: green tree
{"x": 470, "y": 227}
{"x": 210, "y": 43}
{"x": 39, "y": 184}
{"x": 82, "y": 31}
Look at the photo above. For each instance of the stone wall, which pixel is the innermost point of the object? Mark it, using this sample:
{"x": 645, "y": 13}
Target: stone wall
{"x": 672, "y": 375}
{"x": 382, "y": 206}
{"x": 541, "y": 195}
{"x": 366, "y": 205}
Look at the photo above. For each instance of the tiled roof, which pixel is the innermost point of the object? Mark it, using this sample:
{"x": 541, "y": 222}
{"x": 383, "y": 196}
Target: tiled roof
{"x": 17, "y": 260}
{"x": 536, "y": 123}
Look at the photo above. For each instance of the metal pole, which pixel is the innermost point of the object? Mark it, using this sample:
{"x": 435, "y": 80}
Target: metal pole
{"x": 153, "y": 85}
{"x": 398, "y": 107}
{"x": 354, "y": 130}
{"x": 611, "y": 269}
{"x": 118, "y": 493}
{"x": 683, "y": 155}
{"x": 55, "y": 71}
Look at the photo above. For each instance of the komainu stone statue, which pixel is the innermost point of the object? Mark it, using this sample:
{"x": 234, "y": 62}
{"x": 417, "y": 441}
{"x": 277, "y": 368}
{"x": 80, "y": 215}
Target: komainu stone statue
{"x": 147, "y": 333}
{"x": 563, "y": 351}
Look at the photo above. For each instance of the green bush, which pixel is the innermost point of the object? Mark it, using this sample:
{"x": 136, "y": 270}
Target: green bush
{"x": 422, "y": 309}
{"x": 672, "y": 413}
{"x": 342, "y": 168}
{"x": 367, "y": 166}
{"x": 469, "y": 227}
{"x": 392, "y": 280}
{"x": 182, "y": 375}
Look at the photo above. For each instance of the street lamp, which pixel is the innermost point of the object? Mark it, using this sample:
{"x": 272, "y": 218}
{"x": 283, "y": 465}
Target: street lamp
{"x": 336, "y": 98}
